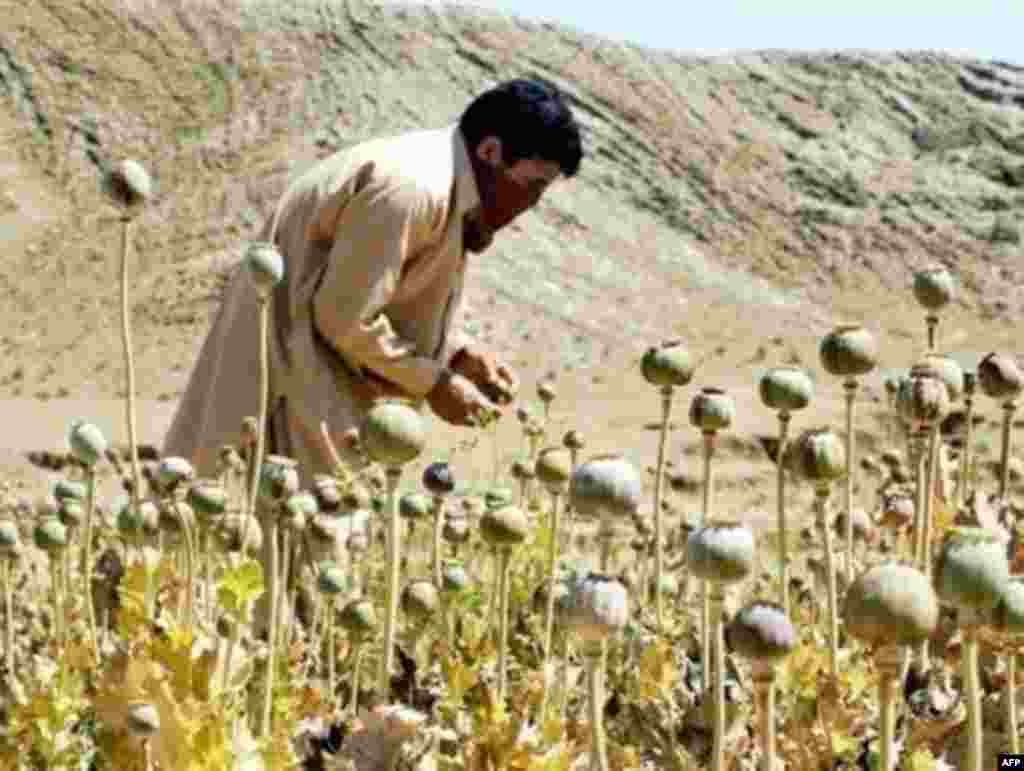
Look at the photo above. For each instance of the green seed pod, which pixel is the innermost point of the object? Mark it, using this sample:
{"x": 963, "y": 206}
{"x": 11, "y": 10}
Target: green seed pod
{"x": 420, "y": 601}
{"x": 712, "y": 410}
{"x": 787, "y": 389}
{"x": 10, "y": 538}
{"x": 863, "y": 526}
{"x": 207, "y": 497}
{"x": 596, "y": 607}
{"x": 65, "y": 488}
{"x": 722, "y": 552}
{"x": 817, "y": 456}
{"x": 143, "y": 720}
{"x": 438, "y": 479}
{"x": 971, "y": 568}
{"x": 891, "y": 604}
{"x": 133, "y": 521}
{"x": 554, "y": 469}
{"x": 949, "y": 371}
{"x": 849, "y": 351}
{"x": 359, "y": 618}
{"x": 71, "y": 513}
{"x": 505, "y": 527}
{"x": 279, "y": 478}
{"x": 573, "y": 440}
{"x": 129, "y": 184}
{"x": 934, "y": 287}
{"x": 87, "y": 443}
{"x": 330, "y": 579}
{"x": 266, "y": 266}
{"x": 456, "y": 529}
{"x": 1008, "y": 615}
{"x": 50, "y": 535}
{"x": 414, "y": 506}
{"x": 497, "y": 497}
{"x": 393, "y": 433}
{"x": 454, "y": 578}
{"x": 923, "y": 398}
{"x": 667, "y": 365}
{"x": 605, "y": 486}
{"x": 970, "y": 382}
{"x": 999, "y": 377}
{"x": 761, "y": 632}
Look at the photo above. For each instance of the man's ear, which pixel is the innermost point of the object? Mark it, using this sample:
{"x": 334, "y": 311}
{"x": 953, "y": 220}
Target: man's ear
{"x": 489, "y": 150}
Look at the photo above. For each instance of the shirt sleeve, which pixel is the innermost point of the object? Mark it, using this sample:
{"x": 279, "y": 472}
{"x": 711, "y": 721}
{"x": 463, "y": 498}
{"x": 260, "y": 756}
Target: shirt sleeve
{"x": 377, "y": 230}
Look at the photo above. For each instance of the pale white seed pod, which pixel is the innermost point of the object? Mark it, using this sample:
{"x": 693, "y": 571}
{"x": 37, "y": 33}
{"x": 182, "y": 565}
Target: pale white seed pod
{"x": 87, "y": 443}
{"x": 605, "y": 486}
{"x": 173, "y": 471}
{"x": 393, "y": 433}
{"x": 597, "y": 606}
{"x": 265, "y": 265}
{"x": 143, "y": 720}
{"x": 922, "y": 399}
{"x": 934, "y": 287}
{"x": 129, "y": 184}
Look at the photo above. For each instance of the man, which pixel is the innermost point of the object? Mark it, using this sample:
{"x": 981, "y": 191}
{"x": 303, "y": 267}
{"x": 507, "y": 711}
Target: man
{"x": 374, "y": 241}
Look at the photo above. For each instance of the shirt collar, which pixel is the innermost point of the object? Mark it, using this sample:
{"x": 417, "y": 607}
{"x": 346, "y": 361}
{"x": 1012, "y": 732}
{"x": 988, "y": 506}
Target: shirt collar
{"x": 467, "y": 195}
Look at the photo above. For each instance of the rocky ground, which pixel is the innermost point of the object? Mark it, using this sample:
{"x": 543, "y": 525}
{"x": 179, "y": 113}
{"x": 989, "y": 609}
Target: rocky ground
{"x": 746, "y": 204}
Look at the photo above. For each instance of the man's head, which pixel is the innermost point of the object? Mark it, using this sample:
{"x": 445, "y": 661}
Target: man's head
{"x": 521, "y": 136}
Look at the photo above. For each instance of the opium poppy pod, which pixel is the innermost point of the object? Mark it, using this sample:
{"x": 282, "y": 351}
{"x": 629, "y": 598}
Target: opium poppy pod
{"x": 393, "y": 433}
{"x": 891, "y": 604}
{"x": 711, "y": 409}
{"x": 207, "y": 497}
{"x": 934, "y": 288}
{"x": 554, "y": 469}
{"x": 331, "y": 579}
{"x": 721, "y": 553}
{"x": 923, "y": 398}
{"x": 971, "y": 569}
{"x": 266, "y": 266}
{"x": 497, "y": 497}
{"x": 504, "y": 527}
{"x": 455, "y": 529}
{"x": 420, "y": 600}
{"x": 605, "y": 486}
{"x": 87, "y": 442}
{"x": 142, "y": 720}
{"x": 786, "y": 389}
{"x": 172, "y": 471}
{"x": 949, "y": 371}
{"x": 50, "y": 534}
{"x": 817, "y": 456}
{"x": 358, "y": 618}
{"x": 414, "y": 506}
{"x": 129, "y": 184}
{"x": 279, "y": 478}
{"x": 667, "y": 364}
{"x": 439, "y": 479}
{"x": 454, "y": 578}
{"x": 761, "y": 632}
{"x": 999, "y": 377}
{"x": 1008, "y": 616}
{"x": 595, "y": 607}
{"x": 10, "y": 538}
{"x": 849, "y": 351}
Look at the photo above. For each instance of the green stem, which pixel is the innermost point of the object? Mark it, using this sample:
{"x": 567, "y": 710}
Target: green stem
{"x": 387, "y": 658}
{"x": 784, "y": 419}
{"x": 595, "y": 689}
{"x": 963, "y": 485}
{"x": 564, "y": 672}
{"x": 273, "y": 587}
{"x": 256, "y": 460}
{"x": 706, "y": 519}
{"x": 357, "y": 665}
{"x": 850, "y": 393}
{"x": 659, "y": 549}
{"x": 8, "y": 577}
{"x": 1004, "y": 468}
{"x": 975, "y": 735}
{"x": 1010, "y": 697}
{"x": 887, "y": 699}
{"x": 129, "y": 362}
{"x": 549, "y": 611}
{"x": 438, "y": 530}
{"x": 764, "y": 686}
{"x": 821, "y": 505}
{"x": 717, "y": 604}
{"x": 504, "y": 565}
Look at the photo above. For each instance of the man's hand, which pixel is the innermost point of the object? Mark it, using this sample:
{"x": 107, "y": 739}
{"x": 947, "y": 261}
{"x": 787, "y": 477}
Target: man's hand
{"x": 492, "y": 376}
{"x": 456, "y": 400}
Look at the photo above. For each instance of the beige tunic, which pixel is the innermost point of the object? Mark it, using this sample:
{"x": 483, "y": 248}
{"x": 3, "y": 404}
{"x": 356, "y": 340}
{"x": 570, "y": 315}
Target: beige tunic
{"x": 374, "y": 269}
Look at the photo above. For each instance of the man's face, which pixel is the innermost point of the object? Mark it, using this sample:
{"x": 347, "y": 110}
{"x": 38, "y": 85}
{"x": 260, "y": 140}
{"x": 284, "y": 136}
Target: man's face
{"x": 505, "y": 192}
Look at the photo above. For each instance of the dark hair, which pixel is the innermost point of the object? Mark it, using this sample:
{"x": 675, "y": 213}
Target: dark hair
{"x": 530, "y": 118}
